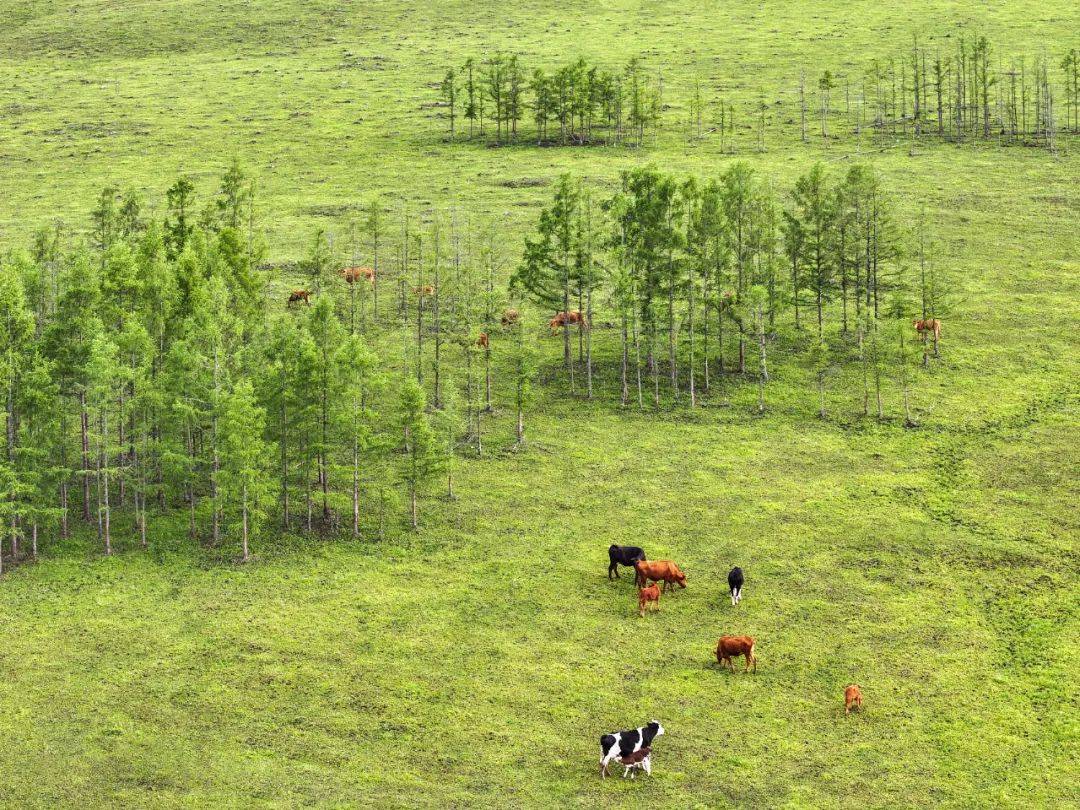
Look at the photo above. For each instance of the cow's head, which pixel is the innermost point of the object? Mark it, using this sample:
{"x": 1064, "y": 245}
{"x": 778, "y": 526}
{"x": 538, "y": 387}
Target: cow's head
{"x": 659, "y": 728}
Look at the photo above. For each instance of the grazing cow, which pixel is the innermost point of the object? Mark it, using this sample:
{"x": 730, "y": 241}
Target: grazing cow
{"x": 482, "y": 341}
{"x": 932, "y": 325}
{"x": 510, "y": 317}
{"x": 646, "y": 595}
{"x": 637, "y": 761}
{"x": 852, "y": 697}
{"x": 426, "y": 291}
{"x": 729, "y": 647}
{"x": 735, "y": 583}
{"x": 567, "y": 318}
{"x": 625, "y": 743}
{"x": 299, "y": 295}
{"x": 659, "y": 571}
{"x": 354, "y": 274}
{"x": 622, "y": 555}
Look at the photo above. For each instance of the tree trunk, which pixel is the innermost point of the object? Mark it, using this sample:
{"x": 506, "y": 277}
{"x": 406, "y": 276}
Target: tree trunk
{"x": 85, "y": 433}
{"x": 624, "y": 362}
{"x": 588, "y": 344}
{"x": 244, "y": 519}
{"x": 356, "y": 489}
{"x": 412, "y": 505}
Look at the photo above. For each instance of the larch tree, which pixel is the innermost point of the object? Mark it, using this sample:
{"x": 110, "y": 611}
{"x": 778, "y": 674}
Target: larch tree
{"x": 245, "y": 463}
{"x": 423, "y": 459}
{"x": 361, "y": 379}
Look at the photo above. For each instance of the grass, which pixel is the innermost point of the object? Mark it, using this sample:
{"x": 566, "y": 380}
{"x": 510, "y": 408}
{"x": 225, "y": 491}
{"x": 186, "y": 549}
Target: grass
{"x": 477, "y": 661}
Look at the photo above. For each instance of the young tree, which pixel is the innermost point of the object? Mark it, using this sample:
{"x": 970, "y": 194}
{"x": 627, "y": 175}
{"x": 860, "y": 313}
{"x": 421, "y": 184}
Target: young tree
{"x": 245, "y": 463}
{"x": 179, "y": 224}
{"x": 524, "y": 360}
{"x": 422, "y": 460}
{"x": 819, "y": 362}
{"x": 547, "y": 268}
{"x": 359, "y": 369}
{"x": 448, "y": 91}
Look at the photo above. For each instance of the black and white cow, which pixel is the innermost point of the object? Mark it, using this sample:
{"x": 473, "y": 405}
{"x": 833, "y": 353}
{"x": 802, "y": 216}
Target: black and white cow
{"x": 623, "y": 555}
{"x": 624, "y": 743}
{"x": 735, "y": 582}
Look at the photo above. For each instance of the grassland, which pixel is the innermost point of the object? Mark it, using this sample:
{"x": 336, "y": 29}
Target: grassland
{"x": 475, "y": 662}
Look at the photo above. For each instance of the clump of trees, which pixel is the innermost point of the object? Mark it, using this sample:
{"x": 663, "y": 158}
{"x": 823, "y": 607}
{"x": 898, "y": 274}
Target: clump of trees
{"x": 576, "y": 104}
{"x": 153, "y": 375}
{"x": 709, "y": 278}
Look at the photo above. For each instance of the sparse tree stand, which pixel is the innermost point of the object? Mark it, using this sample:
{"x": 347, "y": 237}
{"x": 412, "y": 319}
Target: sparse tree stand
{"x": 245, "y": 463}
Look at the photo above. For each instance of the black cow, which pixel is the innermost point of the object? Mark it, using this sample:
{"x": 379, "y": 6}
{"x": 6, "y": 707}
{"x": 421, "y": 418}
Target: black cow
{"x": 734, "y": 583}
{"x": 623, "y": 555}
{"x": 624, "y": 743}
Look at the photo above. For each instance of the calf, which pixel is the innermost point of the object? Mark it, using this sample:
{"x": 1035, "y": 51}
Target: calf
{"x": 622, "y": 555}
{"x": 510, "y": 317}
{"x": 424, "y": 291}
{"x": 659, "y": 571}
{"x": 647, "y": 595}
{"x": 735, "y": 583}
{"x": 482, "y": 341}
{"x": 299, "y": 295}
{"x": 624, "y": 743}
{"x": 852, "y": 697}
{"x": 638, "y": 761}
{"x": 729, "y": 647}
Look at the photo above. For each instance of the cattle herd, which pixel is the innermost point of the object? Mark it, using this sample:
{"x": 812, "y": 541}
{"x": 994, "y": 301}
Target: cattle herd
{"x": 633, "y": 749}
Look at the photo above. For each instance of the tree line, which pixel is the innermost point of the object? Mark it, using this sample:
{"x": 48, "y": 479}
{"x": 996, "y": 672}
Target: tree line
{"x": 576, "y": 104}
{"x": 968, "y": 91}
{"x": 154, "y": 375}
{"x": 707, "y": 279}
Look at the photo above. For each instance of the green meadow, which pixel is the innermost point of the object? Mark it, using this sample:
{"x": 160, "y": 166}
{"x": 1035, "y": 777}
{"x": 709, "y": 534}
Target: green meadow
{"x": 476, "y": 661}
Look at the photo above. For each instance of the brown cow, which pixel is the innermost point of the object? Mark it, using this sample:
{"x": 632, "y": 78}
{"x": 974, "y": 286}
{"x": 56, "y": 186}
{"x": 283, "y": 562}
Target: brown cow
{"x": 658, "y": 571}
{"x": 482, "y": 341}
{"x": 510, "y": 317}
{"x": 929, "y": 325}
{"x": 647, "y": 595}
{"x": 852, "y": 697}
{"x": 354, "y": 274}
{"x": 425, "y": 291}
{"x": 734, "y": 646}
{"x": 567, "y": 318}
{"x": 299, "y": 295}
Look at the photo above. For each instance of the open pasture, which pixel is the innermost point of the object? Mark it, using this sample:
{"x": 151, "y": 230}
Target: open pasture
{"x": 477, "y": 661}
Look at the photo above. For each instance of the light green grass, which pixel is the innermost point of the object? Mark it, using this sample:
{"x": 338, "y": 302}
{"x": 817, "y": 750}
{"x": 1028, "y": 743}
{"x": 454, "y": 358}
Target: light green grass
{"x": 476, "y": 662}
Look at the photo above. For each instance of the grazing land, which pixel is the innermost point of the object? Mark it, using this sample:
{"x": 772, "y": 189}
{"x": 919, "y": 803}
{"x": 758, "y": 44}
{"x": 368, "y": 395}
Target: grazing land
{"x": 477, "y": 661}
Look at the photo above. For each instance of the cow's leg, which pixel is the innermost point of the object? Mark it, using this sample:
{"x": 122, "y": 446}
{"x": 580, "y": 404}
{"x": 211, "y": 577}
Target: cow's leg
{"x": 613, "y": 569}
